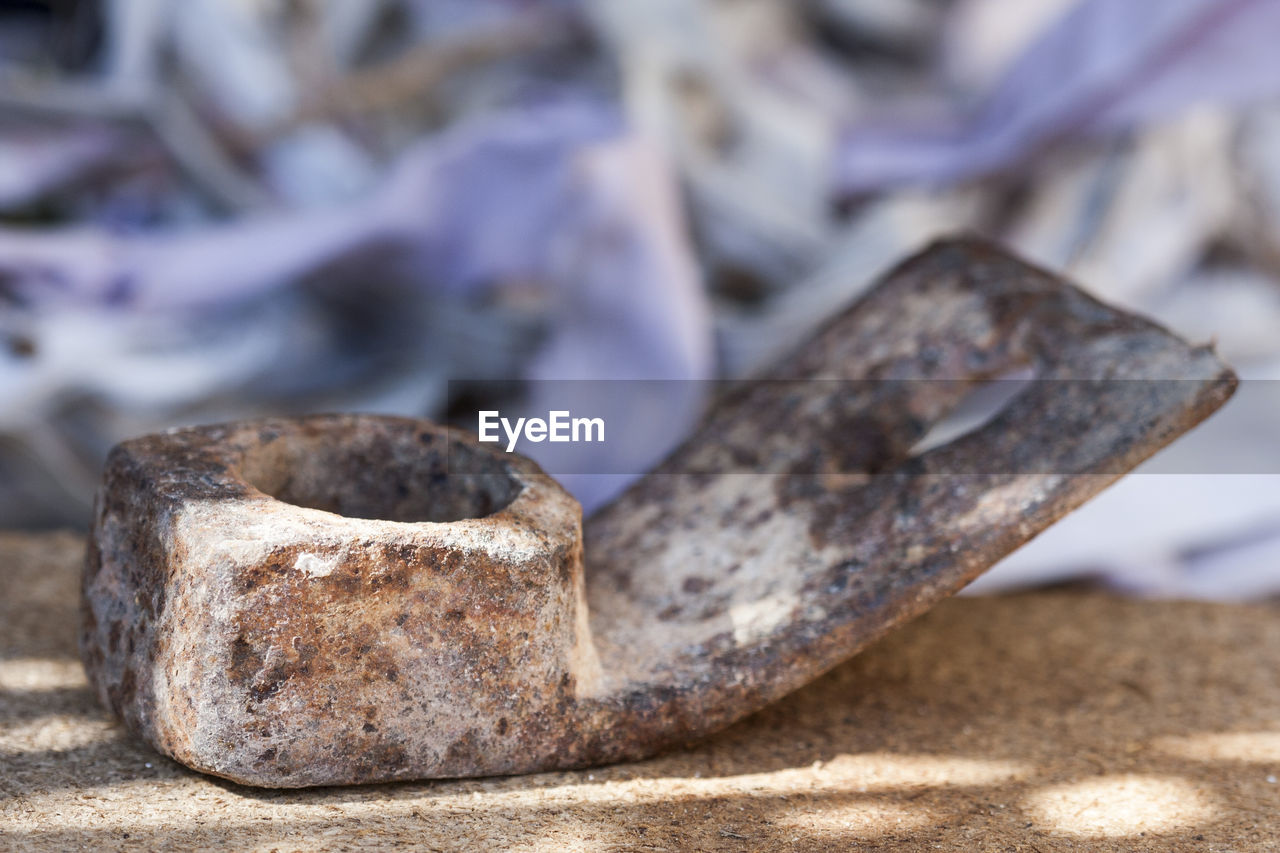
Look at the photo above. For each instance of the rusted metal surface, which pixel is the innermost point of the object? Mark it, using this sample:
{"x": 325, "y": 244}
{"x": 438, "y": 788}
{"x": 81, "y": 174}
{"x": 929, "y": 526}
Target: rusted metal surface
{"x": 327, "y": 600}
{"x": 319, "y": 601}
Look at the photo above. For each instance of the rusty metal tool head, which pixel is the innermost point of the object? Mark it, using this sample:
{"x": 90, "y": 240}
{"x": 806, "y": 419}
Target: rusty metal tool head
{"x": 329, "y": 600}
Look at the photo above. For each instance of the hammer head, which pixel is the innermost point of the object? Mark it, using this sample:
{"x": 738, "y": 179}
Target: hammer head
{"x": 356, "y": 598}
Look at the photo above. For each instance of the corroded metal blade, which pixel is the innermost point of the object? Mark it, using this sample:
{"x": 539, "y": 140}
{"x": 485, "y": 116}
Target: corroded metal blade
{"x": 714, "y": 590}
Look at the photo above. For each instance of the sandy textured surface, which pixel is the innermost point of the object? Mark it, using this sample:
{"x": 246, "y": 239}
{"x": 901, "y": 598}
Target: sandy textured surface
{"x": 1053, "y": 721}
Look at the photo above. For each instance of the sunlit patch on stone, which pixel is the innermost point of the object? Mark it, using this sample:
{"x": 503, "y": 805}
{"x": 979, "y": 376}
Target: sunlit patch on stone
{"x": 863, "y": 773}
{"x": 1253, "y": 747}
{"x": 1119, "y": 805}
{"x": 52, "y": 734}
{"x": 28, "y": 674}
{"x": 845, "y": 819}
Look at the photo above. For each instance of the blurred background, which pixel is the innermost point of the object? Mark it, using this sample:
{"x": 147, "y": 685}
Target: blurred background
{"x": 217, "y": 209}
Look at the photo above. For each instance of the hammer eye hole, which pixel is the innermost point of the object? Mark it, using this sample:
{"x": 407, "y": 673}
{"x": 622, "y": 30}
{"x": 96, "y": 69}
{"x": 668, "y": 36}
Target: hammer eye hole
{"x": 403, "y": 475}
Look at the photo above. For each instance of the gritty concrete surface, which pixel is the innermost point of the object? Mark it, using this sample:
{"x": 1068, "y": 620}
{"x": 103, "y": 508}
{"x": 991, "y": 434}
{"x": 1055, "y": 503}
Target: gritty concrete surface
{"x": 1041, "y": 722}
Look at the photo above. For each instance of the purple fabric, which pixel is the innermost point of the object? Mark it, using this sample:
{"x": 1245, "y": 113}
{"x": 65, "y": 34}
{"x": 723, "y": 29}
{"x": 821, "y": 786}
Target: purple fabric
{"x": 1108, "y": 64}
{"x": 35, "y": 162}
{"x": 476, "y": 204}
{"x": 560, "y": 196}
